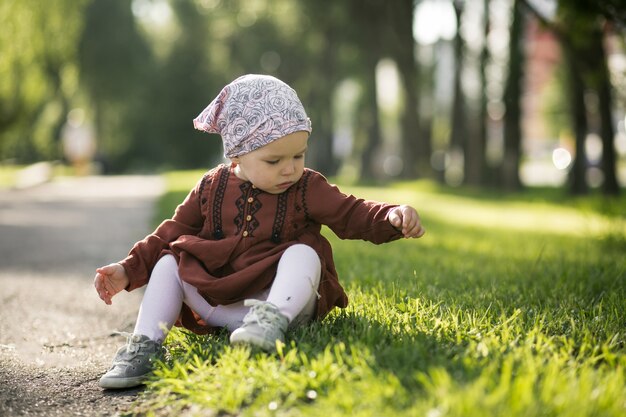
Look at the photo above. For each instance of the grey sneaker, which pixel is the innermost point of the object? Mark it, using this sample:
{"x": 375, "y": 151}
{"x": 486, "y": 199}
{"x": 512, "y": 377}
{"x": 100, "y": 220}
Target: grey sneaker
{"x": 262, "y": 326}
{"x": 133, "y": 362}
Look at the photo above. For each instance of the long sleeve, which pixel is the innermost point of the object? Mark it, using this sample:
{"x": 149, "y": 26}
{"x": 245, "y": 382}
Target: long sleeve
{"x": 187, "y": 220}
{"x": 347, "y": 216}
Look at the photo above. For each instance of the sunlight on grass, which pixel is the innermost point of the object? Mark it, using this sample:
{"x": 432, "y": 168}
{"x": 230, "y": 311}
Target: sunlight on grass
{"x": 506, "y": 307}
{"x": 178, "y": 184}
{"x": 183, "y": 181}
{"x": 467, "y": 211}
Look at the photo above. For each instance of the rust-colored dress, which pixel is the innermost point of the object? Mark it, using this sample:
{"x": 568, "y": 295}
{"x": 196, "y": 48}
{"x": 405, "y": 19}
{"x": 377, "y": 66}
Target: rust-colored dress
{"x": 228, "y": 237}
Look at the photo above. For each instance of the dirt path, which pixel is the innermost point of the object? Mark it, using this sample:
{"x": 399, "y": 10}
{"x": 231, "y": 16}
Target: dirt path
{"x": 55, "y": 333}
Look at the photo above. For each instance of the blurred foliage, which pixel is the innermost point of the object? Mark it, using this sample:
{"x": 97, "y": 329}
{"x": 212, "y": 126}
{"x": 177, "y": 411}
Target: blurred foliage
{"x": 116, "y": 68}
{"x": 39, "y": 74}
{"x": 143, "y": 69}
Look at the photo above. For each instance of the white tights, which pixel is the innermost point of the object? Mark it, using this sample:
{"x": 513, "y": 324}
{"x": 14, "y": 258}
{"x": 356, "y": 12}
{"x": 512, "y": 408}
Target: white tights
{"x": 294, "y": 292}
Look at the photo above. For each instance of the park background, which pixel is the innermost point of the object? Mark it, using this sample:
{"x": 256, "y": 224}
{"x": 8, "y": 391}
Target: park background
{"x": 495, "y": 93}
{"x": 495, "y": 129}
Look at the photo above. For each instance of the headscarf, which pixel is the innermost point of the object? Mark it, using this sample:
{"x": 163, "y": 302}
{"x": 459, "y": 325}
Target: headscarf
{"x": 251, "y": 112}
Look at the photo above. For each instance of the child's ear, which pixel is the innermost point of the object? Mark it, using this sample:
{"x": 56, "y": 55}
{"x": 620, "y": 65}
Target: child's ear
{"x": 234, "y": 160}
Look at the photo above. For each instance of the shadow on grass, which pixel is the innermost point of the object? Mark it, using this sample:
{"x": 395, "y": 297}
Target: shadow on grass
{"x": 402, "y": 355}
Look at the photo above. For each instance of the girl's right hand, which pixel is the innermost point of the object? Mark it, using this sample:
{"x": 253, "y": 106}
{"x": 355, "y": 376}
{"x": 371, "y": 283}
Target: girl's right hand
{"x": 110, "y": 280}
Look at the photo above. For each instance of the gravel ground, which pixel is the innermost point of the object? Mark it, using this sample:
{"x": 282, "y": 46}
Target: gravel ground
{"x": 55, "y": 333}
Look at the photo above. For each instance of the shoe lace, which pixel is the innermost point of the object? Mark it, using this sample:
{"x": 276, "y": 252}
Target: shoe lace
{"x": 134, "y": 347}
{"x": 265, "y": 314}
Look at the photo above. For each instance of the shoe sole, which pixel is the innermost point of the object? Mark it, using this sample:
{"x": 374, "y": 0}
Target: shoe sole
{"x": 120, "y": 383}
{"x": 244, "y": 338}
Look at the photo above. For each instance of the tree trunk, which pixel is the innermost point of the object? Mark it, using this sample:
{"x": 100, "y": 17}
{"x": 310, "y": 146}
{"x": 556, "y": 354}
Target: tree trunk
{"x": 475, "y": 162}
{"x": 512, "y": 96}
{"x": 11, "y": 108}
{"x": 601, "y": 77}
{"x": 322, "y": 116}
{"x": 322, "y": 81}
{"x": 458, "y": 130}
{"x": 323, "y": 159}
{"x": 578, "y": 114}
{"x": 583, "y": 51}
{"x": 371, "y": 15}
{"x": 371, "y": 120}
{"x": 402, "y": 19}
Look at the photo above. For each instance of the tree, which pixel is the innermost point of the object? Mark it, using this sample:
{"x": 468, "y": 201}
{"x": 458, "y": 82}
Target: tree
{"x": 325, "y": 34}
{"x": 600, "y": 80}
{"x": 369, "y": 118}
{"x": 579, "y": 26}
{"x": 181, "y": 88}
{"x": 512, "y": 95}
{"x": 38, "y": 68}
{"x": 369, "y": 17}
{"x": 475, "y": 160}
{"x": 458, "y": 124}
{"x": 578, "y": 120}
{"x": 415, "y": 146}
{"x": 114, "y": 68}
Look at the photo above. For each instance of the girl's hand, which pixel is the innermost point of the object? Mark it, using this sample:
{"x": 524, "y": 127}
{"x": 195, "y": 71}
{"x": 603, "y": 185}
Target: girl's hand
{"x": 405, "y": 218}
{"x": 110, "y": 280}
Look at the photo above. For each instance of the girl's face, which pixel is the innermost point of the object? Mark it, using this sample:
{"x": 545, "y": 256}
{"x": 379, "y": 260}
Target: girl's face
{"x": 276, "y": 166}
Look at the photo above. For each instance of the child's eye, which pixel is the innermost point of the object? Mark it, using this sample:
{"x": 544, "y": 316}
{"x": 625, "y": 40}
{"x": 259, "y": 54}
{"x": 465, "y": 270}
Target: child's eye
{"x": 272, "y": 162}
{"x": 299, "y": 156}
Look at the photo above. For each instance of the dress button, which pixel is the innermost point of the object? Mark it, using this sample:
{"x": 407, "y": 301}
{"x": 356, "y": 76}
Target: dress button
{"x": 250, "y": 199}
{"x": 245, "y": 233}
{"x": 248, "y": 217}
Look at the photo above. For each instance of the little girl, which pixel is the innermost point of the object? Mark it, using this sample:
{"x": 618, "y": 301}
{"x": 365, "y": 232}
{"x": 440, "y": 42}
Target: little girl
{"x": 244, "y": 251}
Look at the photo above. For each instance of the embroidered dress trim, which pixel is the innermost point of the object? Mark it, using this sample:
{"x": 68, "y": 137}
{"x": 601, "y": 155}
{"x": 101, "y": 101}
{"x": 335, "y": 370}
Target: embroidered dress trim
{"x": 305, "y": 184}
{"x": 203, "y": 183}
{"x": 218, "y": 233}
{"x": 279, "y": 219}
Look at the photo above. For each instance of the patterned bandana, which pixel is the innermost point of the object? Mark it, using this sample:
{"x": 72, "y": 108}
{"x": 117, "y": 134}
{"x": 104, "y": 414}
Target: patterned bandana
{"x": 251, "y": 112}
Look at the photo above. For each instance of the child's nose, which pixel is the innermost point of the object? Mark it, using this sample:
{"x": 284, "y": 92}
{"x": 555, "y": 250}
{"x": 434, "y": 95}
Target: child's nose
{"x": 289, "y": 168}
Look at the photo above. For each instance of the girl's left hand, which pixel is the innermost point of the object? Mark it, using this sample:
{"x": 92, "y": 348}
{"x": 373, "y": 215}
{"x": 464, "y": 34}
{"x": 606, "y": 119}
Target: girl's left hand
{"x": 405, "y": 218}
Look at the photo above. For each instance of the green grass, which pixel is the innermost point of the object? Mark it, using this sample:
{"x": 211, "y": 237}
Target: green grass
{"x": 509, "y": 306}
{"x": 178, "y": 184}
{"x": 8, "y": 175}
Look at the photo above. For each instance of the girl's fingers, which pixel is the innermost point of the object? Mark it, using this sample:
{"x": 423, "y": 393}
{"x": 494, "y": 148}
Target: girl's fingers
{"x": 415, "y": 229}
{"x": 395, "y": 219}
{"x": 412, "y": 225}
{"x": 419, "y": 232}
{"x": 409, "y": 221}
{"x": 101, "y": 288}
{"x": 106, "y": 270}
{"x": 110, "y": 289}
